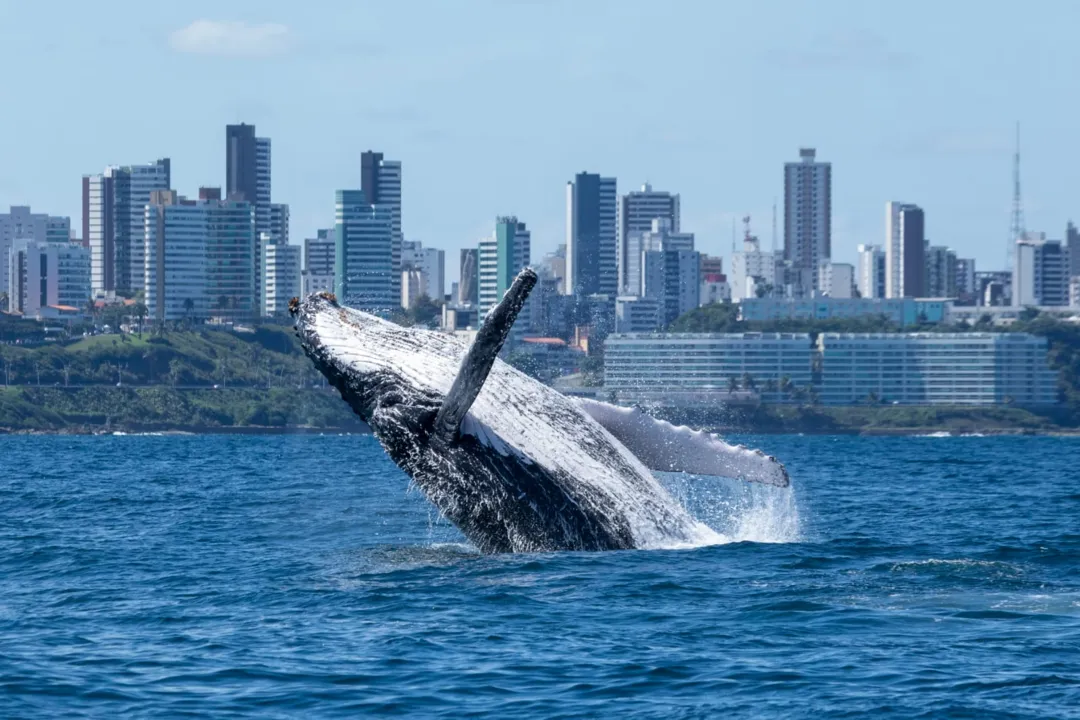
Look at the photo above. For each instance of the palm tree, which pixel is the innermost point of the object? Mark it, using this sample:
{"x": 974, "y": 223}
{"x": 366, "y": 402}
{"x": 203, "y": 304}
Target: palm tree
{"x": 4, "y": 300}
{"x": 786, "y": 386}
{"x": 189, "y": 310}
{"x": 732, "y": 384}
{"x": 748, "y": 381}
{"x": 872, "y": 398}
{"x": 141, "y": 311}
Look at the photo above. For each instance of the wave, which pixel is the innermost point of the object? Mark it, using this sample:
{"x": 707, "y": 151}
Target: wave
{"x": 735, "y": 511}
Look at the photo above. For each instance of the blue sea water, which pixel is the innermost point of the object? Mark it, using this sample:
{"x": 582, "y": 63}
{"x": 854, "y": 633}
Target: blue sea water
{"x": 297, "y": 576}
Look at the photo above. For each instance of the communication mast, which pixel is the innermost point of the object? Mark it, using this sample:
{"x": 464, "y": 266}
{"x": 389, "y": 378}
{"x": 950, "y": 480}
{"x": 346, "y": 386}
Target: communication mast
{"x": 1016, "y": 229}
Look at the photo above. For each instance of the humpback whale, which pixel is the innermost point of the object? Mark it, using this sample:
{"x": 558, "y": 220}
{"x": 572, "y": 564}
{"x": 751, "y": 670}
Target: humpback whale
{"x": 514, "y": 464}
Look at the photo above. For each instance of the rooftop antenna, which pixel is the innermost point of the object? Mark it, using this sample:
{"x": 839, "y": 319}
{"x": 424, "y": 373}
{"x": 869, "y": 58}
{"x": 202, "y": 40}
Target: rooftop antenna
{"x": 1016, "y": 230}
{"x": 746, "y": 227}
{"x": 733, "y": 235}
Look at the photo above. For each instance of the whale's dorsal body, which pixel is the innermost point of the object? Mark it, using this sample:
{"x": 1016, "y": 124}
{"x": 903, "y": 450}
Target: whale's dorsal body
{"x": 514, "y": 464}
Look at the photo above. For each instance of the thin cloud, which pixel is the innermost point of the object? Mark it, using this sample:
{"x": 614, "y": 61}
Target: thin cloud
{"x": 232, "y": 39}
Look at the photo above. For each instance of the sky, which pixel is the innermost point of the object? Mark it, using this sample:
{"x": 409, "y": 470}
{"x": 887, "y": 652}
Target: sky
{"x": 493, "y": 105}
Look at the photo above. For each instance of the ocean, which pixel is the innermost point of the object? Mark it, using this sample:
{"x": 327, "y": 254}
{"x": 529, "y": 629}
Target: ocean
{"x": 299, "y": 576}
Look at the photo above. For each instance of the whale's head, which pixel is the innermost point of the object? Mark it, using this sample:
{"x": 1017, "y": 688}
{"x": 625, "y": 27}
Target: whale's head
{"x": 366, "y": 358}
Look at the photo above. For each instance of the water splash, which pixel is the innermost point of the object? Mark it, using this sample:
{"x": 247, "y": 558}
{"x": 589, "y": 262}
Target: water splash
{"x": 737, "y": 511}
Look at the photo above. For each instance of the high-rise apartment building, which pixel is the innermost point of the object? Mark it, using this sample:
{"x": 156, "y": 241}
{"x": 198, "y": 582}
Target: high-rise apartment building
{"x": 114, "y": 204}
{"x": 1041, "y": 271}
{"x": 751, "y": 269}
{"x": 469, "y": 284}
{"x": 591, "y": 257}
{"x": 199, "y": 258}
{"x": 380, "y": 179}
{"x": 966, "y": 288}
{"x": 242, "y": 164}
{"x": 836, "y": 280}
{"x": 1072, "y": 243}
{"x": 433, "y": 266}
{"x": 318, "y": 270}
{"x": 940, "y": 272}
{"x": 281, "y": 263}
{"x": 365, "y": 274}
{"x": 659, "y": 235}
{"x": 871, "y": 272}
{"x": 19, "y": 223}
{"x": 637, "y": 211}
{"x": 905, "y": 250}
{"x": 501, "y": 258}
{"x": 807, "y": 212}
{"x": 43, "y": 273}
{"x": 672, "y": 277}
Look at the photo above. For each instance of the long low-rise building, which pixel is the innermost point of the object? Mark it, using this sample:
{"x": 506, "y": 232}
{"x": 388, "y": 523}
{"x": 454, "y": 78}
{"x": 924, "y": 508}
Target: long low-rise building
{"x": 835, "y": 368}
{"x": 902, "y": 312}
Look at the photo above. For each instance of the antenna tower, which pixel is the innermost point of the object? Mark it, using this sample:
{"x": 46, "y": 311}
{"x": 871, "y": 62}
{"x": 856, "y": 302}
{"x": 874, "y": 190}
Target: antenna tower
{"x": 773, "y": 248}
{"x": 1016, "y": 229}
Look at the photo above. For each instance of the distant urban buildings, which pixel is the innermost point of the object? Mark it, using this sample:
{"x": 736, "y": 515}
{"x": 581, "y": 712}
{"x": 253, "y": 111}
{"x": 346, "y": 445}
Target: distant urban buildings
{"x": 833, "y": 369}
{"x": 366, "y": 277}
{"x": 319, "y": 255}
{"x": 469, "y": 283}
{"x": 282, "y": 263}
{"x": 905, "y": 250}
{"x": 591, "y": 262}
{"x": 19, "y": 223}
{"x": 501, "y": 258}
{"x": 47, "y": 273}
{"x": 1040, "y": 271}
{"x": 199, "y": 258}
{"x": 871, "y": 271}
{"x": 638, "y": 213}
{"x": 114, "y": 205}
{"x": 380, "y": 179}
{"x": 808, "y": 213}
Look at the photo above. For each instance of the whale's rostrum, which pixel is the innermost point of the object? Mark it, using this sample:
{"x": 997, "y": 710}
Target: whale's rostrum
{"x": 514, "y": 464}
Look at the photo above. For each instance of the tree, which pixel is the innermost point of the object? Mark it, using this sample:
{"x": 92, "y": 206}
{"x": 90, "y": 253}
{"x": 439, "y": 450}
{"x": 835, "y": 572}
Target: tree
{"x": 732, "y": 384}
{"x": 189, "y": 311}
{"x": 786, "y": 386}
{"x": 141, "y": 311}
{"x": 4, "y": 300}
{"x": 748, "y": 381}
{"x": 872, "y": 398}
{"x": 1028, "y": 314}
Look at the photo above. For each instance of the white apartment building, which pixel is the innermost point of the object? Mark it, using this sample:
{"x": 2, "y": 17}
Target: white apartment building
{"x": 714, "y": 290}
{"x": 433, "y": 266}
{"x": 842, "y": 369}
{"x": 501, "y": 258}
{"x": 636, "y": 314}
{"x": 659, "y": 236}
{"x": 413, "y": 285}
{"x": 282, "y": 268}
{"x": 871, "y": 271}
{"x": 936, "y": 369}
{"x": 1040, "y": 272}
{"x": 21, "y": 224}
{"x": 836, "y": 280}
{"x": 43, "y": 273}
{"x": 199, "y": 259}
{"x": 318, "y": 271}
{"x": 751, "y": 268}
{"x": 1074, "y": 291}
{"x": 706, "y": 363}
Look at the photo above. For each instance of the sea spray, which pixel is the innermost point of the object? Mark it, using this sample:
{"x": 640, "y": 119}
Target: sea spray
{"x": 738, "y": 511}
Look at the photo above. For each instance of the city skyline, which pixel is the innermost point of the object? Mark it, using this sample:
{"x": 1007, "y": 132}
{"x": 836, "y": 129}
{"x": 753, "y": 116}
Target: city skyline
{"x": 849, "y": 69}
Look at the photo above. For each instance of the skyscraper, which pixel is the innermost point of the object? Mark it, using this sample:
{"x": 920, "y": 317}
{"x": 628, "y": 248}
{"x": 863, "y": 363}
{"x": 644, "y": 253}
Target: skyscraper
{"x": 264, "y": 211}
{"x": 905, "y": 250}
{"x": 433, "y": 267}
{"x": 380, "y": 179}
{"x": 365, "y": 275}
{"x": 241, "y": 162}
{"x": 20, "y": 223}
{"x": 807, "y": 212}
{"x": 1041, "y": 271}
{"x": 871, "y": 272}
{"x": 591, "y": 257}
{"x": 637, "y": 210}
{"x": 1072, "y": 243}
{"x": 660, "y": 235}
{"x": 672, "y": 277}
{"x": 940, "y": 272}
{"x": 501, "y": 258}
{"x": 114, "y": 204}
{"x": 318, "y": 270}
{"x": 199, "y": 258}
{"x": 468, "y": 286}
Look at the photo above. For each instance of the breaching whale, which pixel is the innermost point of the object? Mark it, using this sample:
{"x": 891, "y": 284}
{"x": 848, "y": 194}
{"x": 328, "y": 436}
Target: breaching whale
{"x": 514, "y": 464}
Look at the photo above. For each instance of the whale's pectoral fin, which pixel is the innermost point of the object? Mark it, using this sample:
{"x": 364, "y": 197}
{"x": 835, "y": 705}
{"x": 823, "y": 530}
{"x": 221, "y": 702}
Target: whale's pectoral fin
{"x": 664, "y": 447}
{"x": 481, "y": 356}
